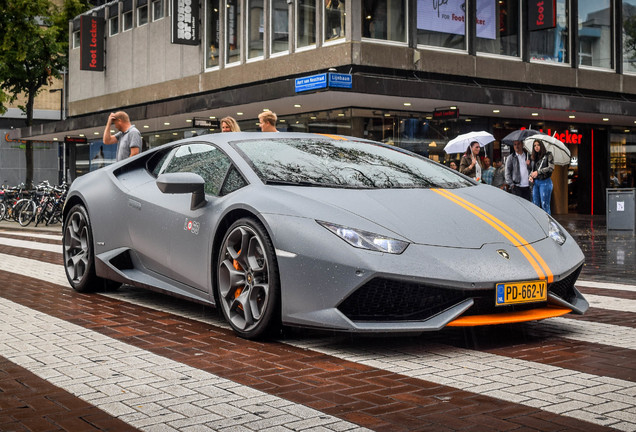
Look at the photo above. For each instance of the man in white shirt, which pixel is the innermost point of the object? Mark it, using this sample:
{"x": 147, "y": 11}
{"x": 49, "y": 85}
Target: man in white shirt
{"x": 517, "y": 173}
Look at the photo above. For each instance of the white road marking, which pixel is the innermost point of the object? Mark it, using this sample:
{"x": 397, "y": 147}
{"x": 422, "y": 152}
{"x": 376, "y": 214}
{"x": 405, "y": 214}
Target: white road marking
{"x": 143, "y": 389}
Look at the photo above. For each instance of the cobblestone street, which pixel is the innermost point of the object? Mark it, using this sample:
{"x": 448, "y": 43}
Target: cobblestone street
{"x": 135, "y": 360}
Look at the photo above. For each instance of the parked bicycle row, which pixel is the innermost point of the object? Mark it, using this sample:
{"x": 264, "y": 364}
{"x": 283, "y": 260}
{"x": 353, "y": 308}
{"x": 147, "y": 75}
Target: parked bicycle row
{"x": 40, "y": 205}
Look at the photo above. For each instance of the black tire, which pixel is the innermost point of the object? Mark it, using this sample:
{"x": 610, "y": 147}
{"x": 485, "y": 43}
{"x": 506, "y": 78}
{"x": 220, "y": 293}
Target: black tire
{"x": 78, "y": 252}
{"x": 248, "y": 284}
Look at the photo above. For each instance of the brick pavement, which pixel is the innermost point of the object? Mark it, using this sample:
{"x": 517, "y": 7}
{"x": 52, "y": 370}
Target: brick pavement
{"x": 354, "y": 381}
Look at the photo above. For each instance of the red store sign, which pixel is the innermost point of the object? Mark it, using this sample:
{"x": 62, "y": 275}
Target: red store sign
{"x": 541, "y": 14}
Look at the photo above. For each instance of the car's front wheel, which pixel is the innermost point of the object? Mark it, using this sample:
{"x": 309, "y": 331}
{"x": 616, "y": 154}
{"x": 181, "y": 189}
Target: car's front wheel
{"x": 247, "y": 282}
{"x": 77, "y": 245}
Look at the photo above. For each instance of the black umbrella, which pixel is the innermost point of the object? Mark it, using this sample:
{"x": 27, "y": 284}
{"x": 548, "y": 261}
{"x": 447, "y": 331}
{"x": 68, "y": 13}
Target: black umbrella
{"x": 519, "y": 135}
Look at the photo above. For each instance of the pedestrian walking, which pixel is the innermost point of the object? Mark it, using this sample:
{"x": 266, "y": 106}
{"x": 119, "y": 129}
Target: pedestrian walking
{"x": 517, "y": 174}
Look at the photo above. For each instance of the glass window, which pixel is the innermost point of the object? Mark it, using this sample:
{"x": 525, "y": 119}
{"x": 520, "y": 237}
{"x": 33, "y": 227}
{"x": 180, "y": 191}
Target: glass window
{"x": 549, "y": 37}
{"x": 142, "y": 15}
{"x": 306, "y": 23}
{"x": 234, "y": 181}
{"x": 113, "y": 26}
{"x": 629, "y": 36}
{"x": 280, "y": 26}
{"x": 157, "y": 10}
{"x": 384, "y": 19}
{"x": 441, "y": 24}
{"x": 212, "y": 34}
{"x": 595, "y": 33}
{"x": 622, "y": 160}
{"x": 233, "y": 31}
{"x": 334, "y": 19}
{"x": 76, "y": 39}
{"x": 255, "y": 28}
{"x": 498, "y": 27}
{"x": 348, "y": 164}
{"x": 127, "y": 18}
{"x": 203, "y": 159}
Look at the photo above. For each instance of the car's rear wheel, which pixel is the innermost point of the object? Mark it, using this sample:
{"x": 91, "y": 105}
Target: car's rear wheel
{"x": 77, "y": 245}
{"x": 247, "y": 282}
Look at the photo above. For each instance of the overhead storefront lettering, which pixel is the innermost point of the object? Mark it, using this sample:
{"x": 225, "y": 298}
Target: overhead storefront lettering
{"x": 541, "y": 14}
{"x": 185, "y": 22}
{"x": 91, "y": 43}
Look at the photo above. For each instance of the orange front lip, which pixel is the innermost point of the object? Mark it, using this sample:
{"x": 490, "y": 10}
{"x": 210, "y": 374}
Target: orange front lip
{"x": 509, "y": 317}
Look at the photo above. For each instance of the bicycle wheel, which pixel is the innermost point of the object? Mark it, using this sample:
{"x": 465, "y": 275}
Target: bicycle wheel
{"x": 26, "y": 213}
{"x": 3, "y": 210}
{"x": 17, "y": 207}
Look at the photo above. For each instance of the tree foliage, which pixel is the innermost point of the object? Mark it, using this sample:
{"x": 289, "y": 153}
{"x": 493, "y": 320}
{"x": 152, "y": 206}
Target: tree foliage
{"x": 33, "y": 51}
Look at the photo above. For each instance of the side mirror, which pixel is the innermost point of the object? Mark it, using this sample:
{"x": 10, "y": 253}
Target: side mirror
{"x": 182, "y": 183}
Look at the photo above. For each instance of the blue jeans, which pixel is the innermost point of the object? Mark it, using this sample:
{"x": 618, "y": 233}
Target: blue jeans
{"x": 541, "y": 193}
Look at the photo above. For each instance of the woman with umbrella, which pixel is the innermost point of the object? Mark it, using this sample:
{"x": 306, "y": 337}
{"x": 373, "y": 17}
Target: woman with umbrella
{"x": 541, "y": 167}
{"x": 470, "y": 164}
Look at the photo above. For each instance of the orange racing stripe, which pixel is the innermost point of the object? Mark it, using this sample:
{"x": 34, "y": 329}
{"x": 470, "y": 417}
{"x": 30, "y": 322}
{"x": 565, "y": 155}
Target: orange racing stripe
{"x": 533, "y": 257}
{"x": 336, "y": 137}
{"x": 523, "y": 241}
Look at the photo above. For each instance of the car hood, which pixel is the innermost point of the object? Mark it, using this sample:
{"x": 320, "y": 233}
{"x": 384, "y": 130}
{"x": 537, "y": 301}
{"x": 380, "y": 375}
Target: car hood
{"x": 466, "y": 218}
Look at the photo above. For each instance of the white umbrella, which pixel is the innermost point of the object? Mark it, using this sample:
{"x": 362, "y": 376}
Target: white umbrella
{"x": 461, "y": 142}
{"x": 559, "y": 150}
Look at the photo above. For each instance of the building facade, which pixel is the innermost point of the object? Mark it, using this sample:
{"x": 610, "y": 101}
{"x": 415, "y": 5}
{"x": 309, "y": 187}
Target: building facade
{"x": 413, "y": 73}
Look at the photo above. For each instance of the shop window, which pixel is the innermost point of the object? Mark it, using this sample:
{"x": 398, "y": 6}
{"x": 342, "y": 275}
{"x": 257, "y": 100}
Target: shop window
{"x": 498, "y": 27}
{"x": 212, "y": 35}
{"x": 233, "y": 31}
{"x": 142, "y": 15}
{"x": 595, "y": 33}
{"x": 629, "y": 36}
{"x": 113, "y": 26}
{"x": 334, "y": 20}
{"x": 127, "y": 21}
{"x": 441, "y": 24}
{"x": 280, "y": 27}
{"x": 306, "y": 23}
{"x": 549, "y": 39}
{"x": 255, "y": 28}
{"x": 622, "y": 160}
{"x": 157, "y": 10}
{"x": 385, "y": 20}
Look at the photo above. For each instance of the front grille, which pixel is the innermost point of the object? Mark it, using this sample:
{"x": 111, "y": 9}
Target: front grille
{"x": 564, "y": 287}
{"x": 382, "y": 300}
{"x": 390, "y": 300}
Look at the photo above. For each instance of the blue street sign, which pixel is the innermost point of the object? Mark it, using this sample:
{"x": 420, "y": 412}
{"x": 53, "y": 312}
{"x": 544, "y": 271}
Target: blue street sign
{"x": 313, "y": 82}
{"x": 340, "y": 80}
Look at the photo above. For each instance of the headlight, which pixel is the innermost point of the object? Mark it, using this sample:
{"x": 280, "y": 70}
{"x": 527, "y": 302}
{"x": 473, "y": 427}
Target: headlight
{"x": 366, "y": 240}
{"x": 555, "y": 232}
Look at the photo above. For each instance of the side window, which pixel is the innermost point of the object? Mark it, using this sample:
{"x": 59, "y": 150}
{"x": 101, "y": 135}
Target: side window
{"x": 157, "y": 163}
{"x": 234, "y": 181}
{"x": 203, "y": 159}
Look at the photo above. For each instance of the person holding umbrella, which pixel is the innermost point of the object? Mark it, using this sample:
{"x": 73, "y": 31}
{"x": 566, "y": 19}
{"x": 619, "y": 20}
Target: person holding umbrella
{"x": 470, "y": 164}
{"x": 541, "y": 167}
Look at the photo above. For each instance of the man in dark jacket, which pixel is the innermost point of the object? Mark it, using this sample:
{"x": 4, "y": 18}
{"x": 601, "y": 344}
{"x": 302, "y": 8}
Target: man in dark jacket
{"x": 517, "y": 173}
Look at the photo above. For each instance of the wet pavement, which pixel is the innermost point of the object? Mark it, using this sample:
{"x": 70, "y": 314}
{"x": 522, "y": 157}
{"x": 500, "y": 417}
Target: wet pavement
{"x": 138, "y": 360}
{"x": 610, "y": 255}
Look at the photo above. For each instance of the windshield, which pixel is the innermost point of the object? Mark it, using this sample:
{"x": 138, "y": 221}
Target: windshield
{"x": 342, "y": 163}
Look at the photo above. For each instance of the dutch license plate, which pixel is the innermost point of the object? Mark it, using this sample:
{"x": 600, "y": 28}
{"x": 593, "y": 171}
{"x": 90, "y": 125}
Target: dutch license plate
{"x": 521, "y": 292}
